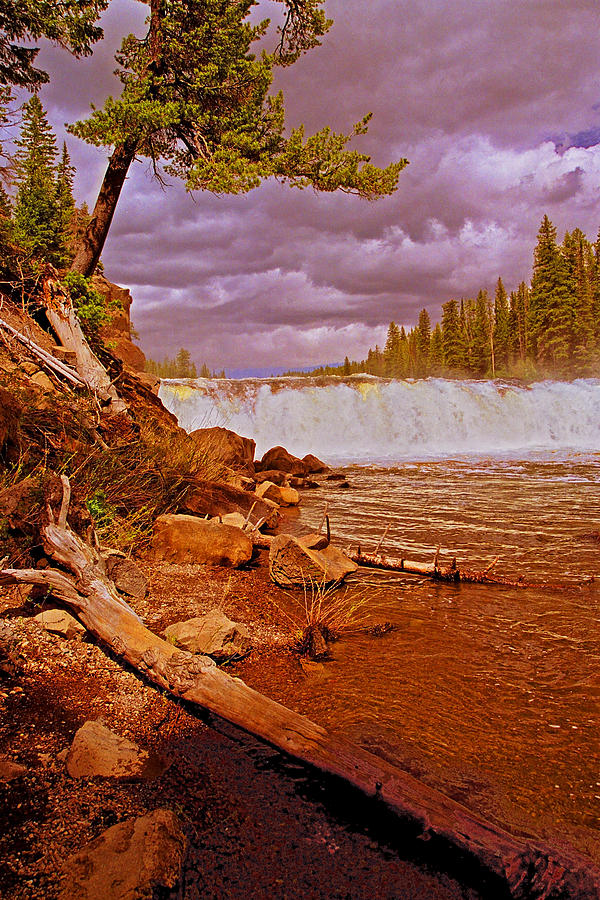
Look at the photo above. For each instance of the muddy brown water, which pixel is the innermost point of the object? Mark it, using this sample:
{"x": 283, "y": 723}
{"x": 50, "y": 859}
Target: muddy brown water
{"x": 490, "y": 693}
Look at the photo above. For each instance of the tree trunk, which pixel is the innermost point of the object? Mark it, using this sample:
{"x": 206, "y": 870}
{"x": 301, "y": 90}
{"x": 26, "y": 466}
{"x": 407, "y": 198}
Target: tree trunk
{"x": 528, "y": 869}
{"x": 92, "y": 243}
{"x": 64, "y": 321}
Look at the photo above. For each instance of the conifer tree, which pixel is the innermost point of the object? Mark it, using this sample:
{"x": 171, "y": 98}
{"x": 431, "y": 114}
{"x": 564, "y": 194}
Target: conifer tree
{"x": 436, "y": 351}
{"x": 501, "y": 326}
{"x": 391, "y": 351}
{"x": 423, "y": 341}
{"x": 69, "y": 23}
{"x": 451, "y": 336}
{"x": 551, "y": 305}
{"x": 481, "y": 353}
{"x": 37, "y": 222}
{"x": 579, "y": 258}
{"x": 64, "y": 196}
{"x": 197, "y": 98}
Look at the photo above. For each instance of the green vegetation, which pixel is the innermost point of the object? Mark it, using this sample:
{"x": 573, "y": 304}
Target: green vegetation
{"x": 548, "y": 329}
{"x": 196, "y": 98}
{"x": 181, "y": 366}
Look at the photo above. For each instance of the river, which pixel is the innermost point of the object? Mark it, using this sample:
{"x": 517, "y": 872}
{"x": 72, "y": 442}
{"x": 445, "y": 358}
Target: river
{"x": 490, "y": 693}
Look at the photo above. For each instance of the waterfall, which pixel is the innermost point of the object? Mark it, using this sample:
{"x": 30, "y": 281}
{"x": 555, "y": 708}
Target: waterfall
{"x": 367, "y": 419}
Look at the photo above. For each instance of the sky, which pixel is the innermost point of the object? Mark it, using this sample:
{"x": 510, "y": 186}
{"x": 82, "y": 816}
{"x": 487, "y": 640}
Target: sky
{"x": 496, "y": 104}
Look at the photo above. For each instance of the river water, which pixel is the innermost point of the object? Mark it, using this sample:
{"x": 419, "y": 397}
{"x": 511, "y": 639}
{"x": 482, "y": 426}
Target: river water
{"x": 490, "y": 693}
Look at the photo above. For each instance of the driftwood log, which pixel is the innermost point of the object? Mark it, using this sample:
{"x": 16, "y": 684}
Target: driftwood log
{"x": 447, "y": 573}
{"x": 528, "y": 869}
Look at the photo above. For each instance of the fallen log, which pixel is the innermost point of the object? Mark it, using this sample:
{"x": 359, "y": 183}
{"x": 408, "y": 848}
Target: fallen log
{"x": 56, "y": 365}
{"x": 528, "y": 869}
{"x": 447, "y": 573}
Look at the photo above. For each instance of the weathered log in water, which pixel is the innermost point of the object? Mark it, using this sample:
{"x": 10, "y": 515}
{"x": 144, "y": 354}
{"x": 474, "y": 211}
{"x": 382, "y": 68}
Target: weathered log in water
{"x": 528, "y": 869}
{"x": 446, "y": 573}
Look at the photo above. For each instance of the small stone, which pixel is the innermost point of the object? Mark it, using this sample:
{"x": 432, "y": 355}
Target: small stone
{"x": 43, "y": 382}
{"x": 58, "y": 621}
{"x": 10, "y": 770}
{"x": 213, "y": 634}
{"x": 96, "y": 750}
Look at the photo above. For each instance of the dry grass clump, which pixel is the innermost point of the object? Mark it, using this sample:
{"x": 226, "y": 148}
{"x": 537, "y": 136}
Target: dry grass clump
{"x": 126, "y": 471}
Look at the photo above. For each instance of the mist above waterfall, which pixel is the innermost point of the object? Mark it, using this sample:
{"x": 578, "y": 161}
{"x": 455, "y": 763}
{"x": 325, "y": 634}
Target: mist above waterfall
{"x": 365, "y": 419}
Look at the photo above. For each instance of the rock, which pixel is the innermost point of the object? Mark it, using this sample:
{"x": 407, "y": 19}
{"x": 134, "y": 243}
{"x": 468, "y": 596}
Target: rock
{"x": 213, "y": 634}
{"x": 236, "y": 519}
{"x": 10, "y": 770}
{"x": 149, "y": 380}
{"x": 43, "y": 382}
{"x": 273, "y": 475}
{"x": 10, "y": 415}
{"x": 290, "y": 563}
{"x": 58, "y": 621}
{"x": 129, "y": 861}
{"x": 314, "y": 541}
{"x": 188, "y": 539}
{"x": 335, "y": 477}
{"x": 117, "y": 332}
{"x": 314, "y": 466}
{"x": 279, "y": 458}
{"x": 230, "y": 448}
{"x": 96, "y": 750}
{"x": 314, "y": 670}
{"x": 126, "y": 575}
{"x": 282, "y": 495}
{"x": 215, "y": 499}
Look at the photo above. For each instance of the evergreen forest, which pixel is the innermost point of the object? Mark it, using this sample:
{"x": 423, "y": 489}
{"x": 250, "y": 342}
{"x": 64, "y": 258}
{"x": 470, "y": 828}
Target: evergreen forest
{"x": 550, "y": 328}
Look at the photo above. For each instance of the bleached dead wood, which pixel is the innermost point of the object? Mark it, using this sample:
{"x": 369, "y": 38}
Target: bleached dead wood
{"x": 64, "y": 321}
{"x": 445, "y": 573}
{"x": 46, "y": 358}
{"x": 528, "y": 869}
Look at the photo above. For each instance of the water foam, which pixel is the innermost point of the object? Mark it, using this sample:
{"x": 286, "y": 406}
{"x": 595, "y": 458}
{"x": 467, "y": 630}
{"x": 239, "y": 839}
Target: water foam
{"x": 364, "y": 419}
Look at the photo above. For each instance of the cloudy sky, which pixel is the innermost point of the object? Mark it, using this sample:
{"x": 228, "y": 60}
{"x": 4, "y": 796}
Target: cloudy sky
{"x": 496, "y": 103}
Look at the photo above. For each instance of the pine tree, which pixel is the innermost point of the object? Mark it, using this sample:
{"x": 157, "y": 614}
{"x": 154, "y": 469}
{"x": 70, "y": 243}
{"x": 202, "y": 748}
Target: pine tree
{"x": 391, "y": 351}
{"x": 501, "y": 315}
{"x": 64, "y": 197}
{"x": 37, "y": 220}
{"x": 579, "y": 258}
{"x": 551, "y": 305}
{"x": 436, "y": 351}
{"x": 423, "y": 341}
{"x": 451, "y": 336}
{"x": 482, "y": 346}
{"x": 196, "y": 96}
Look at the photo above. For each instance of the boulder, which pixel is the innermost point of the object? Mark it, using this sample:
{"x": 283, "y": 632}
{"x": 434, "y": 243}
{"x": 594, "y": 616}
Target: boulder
{"x": 96, "y": 750}
{"x": 236, "y": 519}
{"x": 282, "y": 495}
{"x": 133, "y": 860}
{"x": 230, "y": 448}
{"x": 117, "y": 332}
{"x": 188, "y": 539}
{"x": 213, "y": 498}
{"x": 314, "y": 466}
{"x": 128, "y": 578}
{"x": 314, "y": 541}
{"x": 275, "y": 476}
{"x": 57, "y": 621}
{"x": 291, "y": 563}
{"x": 213, "y": 634}
{"x": 279, "y": 458}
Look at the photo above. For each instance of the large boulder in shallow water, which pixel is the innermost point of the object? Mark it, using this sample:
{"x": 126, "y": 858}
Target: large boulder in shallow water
{"x": 212, "y": 498}
{"x": 314, "y": 466}
{"x": 292, "y": 563}
{"x": 188, "y": 539}
{"x": 278, "y": 458}
{"x": 230, "y": 448}
{"x": 280, "y": 494}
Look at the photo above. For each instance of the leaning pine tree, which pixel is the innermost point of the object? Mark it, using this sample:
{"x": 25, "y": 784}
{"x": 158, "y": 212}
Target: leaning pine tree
{"x": 196, "y": 99}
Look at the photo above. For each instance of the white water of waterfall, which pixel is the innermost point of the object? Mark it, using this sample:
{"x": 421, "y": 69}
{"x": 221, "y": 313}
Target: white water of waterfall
{"x": 365, "y": 419}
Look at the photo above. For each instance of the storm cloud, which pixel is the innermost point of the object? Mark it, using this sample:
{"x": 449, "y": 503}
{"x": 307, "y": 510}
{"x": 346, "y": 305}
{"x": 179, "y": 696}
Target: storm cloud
{"x": 497, "y": 106}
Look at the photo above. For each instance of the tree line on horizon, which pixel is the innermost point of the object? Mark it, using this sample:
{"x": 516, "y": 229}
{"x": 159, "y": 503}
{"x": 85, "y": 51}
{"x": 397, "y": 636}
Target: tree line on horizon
{"x": 550, "y": 328}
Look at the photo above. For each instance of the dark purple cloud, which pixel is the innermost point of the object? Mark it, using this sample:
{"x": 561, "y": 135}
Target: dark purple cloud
{"x": 471, "y": 93}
